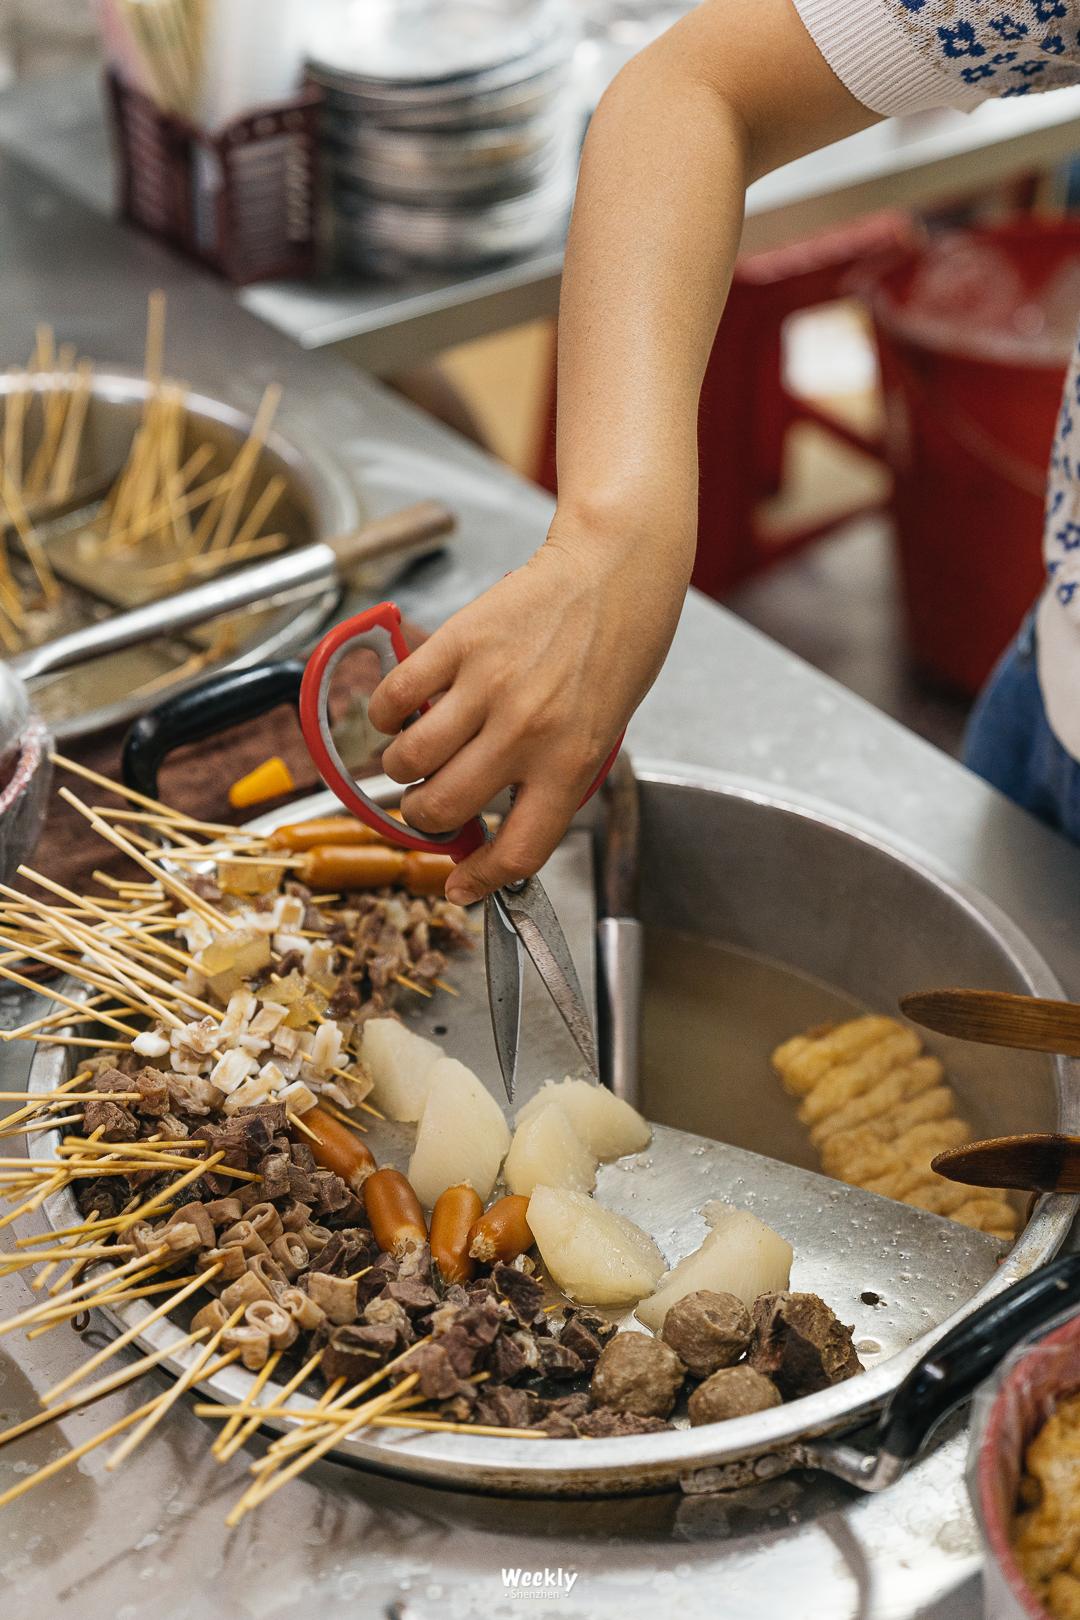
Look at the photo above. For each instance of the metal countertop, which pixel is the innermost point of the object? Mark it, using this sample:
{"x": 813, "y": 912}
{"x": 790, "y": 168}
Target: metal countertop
{"x": 150, "y": 1540}
{"x": 58, "y": 125}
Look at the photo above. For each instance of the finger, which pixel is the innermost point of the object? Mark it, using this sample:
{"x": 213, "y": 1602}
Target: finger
{"x": 430, "y": 669}
{"x": 526, "y": 839}
{"x": 462, "y": 788}
{"x": 425, "y": 746}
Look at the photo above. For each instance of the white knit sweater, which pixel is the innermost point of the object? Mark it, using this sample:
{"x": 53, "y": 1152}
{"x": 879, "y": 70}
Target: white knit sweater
{"x": 903, "y": 56}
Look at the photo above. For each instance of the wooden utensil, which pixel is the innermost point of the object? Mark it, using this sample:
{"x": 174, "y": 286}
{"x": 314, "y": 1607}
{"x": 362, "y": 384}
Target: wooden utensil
{"x": 1042, "y": 1162}
{"x": 998, "y": 1018}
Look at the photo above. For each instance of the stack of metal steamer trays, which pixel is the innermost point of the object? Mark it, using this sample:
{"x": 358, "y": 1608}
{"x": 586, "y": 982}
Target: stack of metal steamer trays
{"x": 451, "y": 129}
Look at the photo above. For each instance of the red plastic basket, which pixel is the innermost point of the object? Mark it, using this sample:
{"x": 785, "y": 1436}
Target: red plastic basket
{"x": 241, "y": 200}
{"x": 968, "y": 440}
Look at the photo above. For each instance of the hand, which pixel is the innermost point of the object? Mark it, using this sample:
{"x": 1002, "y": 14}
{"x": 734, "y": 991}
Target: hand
{"x": 530, "y": 685}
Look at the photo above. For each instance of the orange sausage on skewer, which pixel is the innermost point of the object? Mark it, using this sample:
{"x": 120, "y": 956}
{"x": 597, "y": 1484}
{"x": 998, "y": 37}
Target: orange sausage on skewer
{"x": 339, "y": 1149}
{"x": 343, "y": 867}
{"x": 300, "y": 836}
{"x": 394, "y": 1212}
{"x": 456, "y": 1212}
{"x": 502, "y": 1232}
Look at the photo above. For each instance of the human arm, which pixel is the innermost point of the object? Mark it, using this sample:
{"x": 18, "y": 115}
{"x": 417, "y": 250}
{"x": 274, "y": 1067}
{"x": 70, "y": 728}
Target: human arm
{"x": 541, "y": 673}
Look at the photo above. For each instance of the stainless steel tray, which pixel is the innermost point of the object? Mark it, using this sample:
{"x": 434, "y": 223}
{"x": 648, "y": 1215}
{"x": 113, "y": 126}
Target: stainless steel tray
{"x": 918, "y": 1281}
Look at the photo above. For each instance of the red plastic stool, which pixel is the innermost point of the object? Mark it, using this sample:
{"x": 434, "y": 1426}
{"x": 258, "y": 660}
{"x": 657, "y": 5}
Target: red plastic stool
{"x": 746, "y": 410}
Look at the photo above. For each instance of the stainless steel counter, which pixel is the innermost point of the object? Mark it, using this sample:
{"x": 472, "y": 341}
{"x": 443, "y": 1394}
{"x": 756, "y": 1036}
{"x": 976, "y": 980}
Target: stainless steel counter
{"x": 150, "y": 1540}
{"x": 385, "y": 326}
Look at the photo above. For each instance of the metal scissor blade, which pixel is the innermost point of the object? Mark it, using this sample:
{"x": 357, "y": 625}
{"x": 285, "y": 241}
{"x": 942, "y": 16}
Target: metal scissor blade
{"x": 533, "y": 917}
{"x": 502, "y": 954}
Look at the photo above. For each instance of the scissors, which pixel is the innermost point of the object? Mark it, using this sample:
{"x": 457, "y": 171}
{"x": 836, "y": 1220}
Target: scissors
{"x": 520, "y": 915}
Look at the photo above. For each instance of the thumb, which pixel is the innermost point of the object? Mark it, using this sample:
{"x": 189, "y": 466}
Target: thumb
{"x": 536, "y": 823}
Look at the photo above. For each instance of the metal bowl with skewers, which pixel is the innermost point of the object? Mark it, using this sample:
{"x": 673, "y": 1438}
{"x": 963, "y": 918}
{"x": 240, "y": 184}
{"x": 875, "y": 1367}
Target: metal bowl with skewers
{"x": 117, "y": 490}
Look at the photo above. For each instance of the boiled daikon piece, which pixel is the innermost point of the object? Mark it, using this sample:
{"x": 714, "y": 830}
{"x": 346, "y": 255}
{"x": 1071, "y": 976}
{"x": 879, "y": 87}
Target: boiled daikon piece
{"x": 546, "y": 1151}
{"x": 607, "y": 1125}
{"x": 740, "y": 1256}
{"x": 462, "y": 1135}
{"x": 401, "y": 1063}
{"x": 592, "y": 1254}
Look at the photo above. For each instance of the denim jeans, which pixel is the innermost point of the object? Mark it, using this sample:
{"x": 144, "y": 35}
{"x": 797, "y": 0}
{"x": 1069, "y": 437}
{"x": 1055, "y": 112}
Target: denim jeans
{"x": 1009, "y": 741}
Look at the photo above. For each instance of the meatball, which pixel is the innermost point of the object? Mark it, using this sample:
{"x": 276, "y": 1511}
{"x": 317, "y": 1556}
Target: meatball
{"x": 732, "y": 1392}
{"x": 801, "y": 1344}
{"x": 707, "y": 1330}
{"x": 639, "y": 1374}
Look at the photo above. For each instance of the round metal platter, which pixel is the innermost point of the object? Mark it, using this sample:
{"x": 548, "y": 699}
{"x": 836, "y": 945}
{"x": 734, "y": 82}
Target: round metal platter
{"x": 466, "y": 110}
{"x": 445, "y": 183}
{"x": 660, "y": 1189}
{"x": 446, "y": 236}
{"x": 425, "y": 48}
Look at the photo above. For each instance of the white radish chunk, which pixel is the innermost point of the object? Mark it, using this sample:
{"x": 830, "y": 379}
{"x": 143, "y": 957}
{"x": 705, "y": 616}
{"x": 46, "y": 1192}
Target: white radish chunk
{"x": 401, "y": 1063}
{"x": 547, "y": 1152}
{"x": 607, "y": 1125}
{"x": 232, "y": 1069}
{"x": 150, "y": 1043}
{"x": 592, "y": 1254}
{"x": 298, "y": 1097}
{"x": 462, "y": 1134}
{"x": 740, "y": 1256}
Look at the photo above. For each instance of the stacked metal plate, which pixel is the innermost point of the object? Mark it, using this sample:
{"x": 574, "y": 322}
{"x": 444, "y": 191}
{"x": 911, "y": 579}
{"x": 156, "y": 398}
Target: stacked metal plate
{"x": 451, "y": 128}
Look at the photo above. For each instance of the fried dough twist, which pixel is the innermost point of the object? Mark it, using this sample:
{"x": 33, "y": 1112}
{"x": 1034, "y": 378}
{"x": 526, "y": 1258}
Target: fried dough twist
{"x": 878, "y": 1109}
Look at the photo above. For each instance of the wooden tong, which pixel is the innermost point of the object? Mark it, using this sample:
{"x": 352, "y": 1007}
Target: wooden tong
{"x": 1042, "y": 1162}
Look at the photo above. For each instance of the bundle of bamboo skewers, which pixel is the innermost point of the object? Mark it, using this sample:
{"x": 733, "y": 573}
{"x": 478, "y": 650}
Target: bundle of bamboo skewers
{"x": 125, "y": 946}
{"x": 176, "y": 513}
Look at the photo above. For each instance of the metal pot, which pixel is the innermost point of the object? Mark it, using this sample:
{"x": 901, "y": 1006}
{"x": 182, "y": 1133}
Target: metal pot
{"x": 725, "y": 860}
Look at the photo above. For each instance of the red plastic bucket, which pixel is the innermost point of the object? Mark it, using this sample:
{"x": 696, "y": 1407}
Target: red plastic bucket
{"x": 970, "y": 414}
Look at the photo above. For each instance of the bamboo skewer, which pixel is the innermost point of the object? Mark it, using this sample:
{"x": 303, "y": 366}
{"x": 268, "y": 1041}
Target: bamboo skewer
{"x": 247, "y": 1429}
{"x": 263, "y": 1489}
{"x": 244, "y": 1410}
{"x": 171, "y": 1396}
{"x": 96, "y": 1392}
{"x": 133, "y": 1332}
{"x": 48, "y": 1470}
{"x": 167, "y": 879}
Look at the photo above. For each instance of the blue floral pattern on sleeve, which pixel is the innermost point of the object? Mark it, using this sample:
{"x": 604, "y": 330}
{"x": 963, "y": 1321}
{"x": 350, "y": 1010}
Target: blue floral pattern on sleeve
{"x": 1061, "y": 532}
{"x": 964, "y": 40}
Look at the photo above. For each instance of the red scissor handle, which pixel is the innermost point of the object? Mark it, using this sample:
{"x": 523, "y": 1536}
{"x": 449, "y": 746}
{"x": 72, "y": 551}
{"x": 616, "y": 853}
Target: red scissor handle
{"x": 379, "y": 628}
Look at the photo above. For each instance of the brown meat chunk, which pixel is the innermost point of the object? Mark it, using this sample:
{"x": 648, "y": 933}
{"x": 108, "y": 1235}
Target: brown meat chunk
{"x": 521, "y": 1292}
{"x": 438, "y": 1380}
{"x": 274, "y": 1170}
{"x": 708, "y": 1330}
{"x": 558, "y": 1360}
{"x": 153, "y": 1088}
{"x": 732, "y": 1392}
{"x": 112, "y": 1120}
{"x": 356, "y": 1352}
{"x": 639, "y": 1374}
{"x": 801, "y": 1344}
{"x": 581, "y": 1340}
{"x": 606, "y": 1424}
{"x": 414, "y": 1295}
{"x": 505, "y": 1408}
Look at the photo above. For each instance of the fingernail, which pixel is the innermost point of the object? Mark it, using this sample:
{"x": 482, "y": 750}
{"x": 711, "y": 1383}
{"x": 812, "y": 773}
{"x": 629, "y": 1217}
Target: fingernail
{"x": 462, "y": 894}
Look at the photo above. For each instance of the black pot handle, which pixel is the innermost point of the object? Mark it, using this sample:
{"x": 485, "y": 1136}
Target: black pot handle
{"x": 222, "y": 701}
{"x": 959, "y": 1362}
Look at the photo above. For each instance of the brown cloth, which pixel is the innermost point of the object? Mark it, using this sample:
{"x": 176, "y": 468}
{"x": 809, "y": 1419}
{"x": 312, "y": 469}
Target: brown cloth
{"x": 195, "y": 779}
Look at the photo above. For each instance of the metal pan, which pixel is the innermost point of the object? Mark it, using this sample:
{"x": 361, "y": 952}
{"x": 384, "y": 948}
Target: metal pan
{"x": 791, "y": 874}
{"x": 319, "y": 500}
